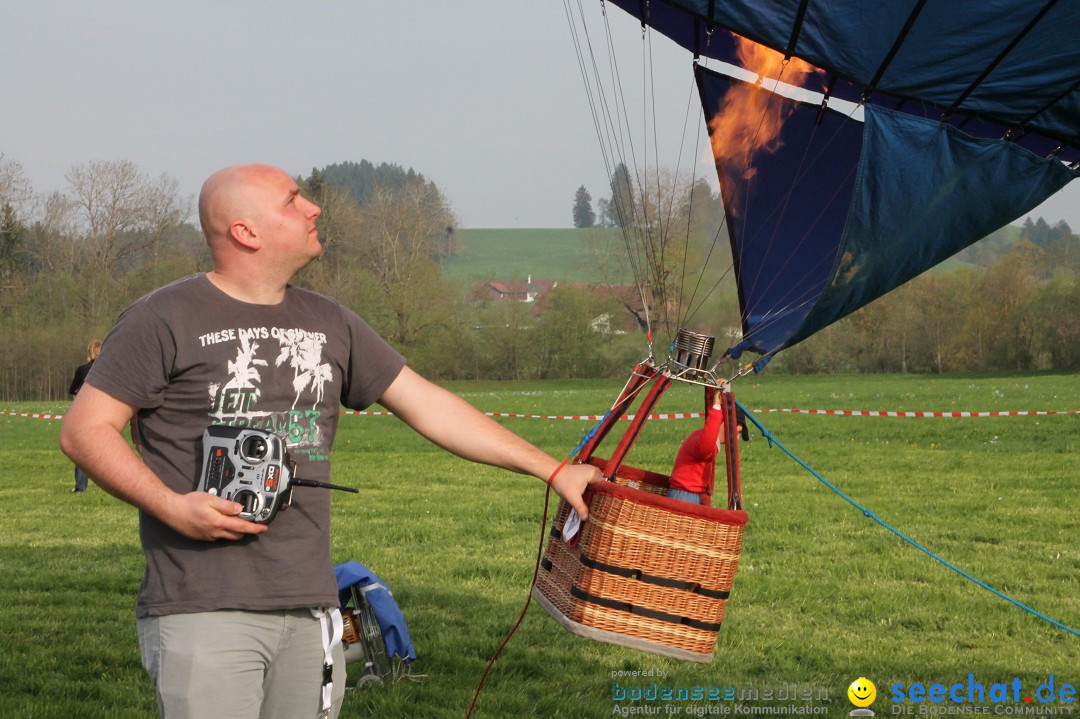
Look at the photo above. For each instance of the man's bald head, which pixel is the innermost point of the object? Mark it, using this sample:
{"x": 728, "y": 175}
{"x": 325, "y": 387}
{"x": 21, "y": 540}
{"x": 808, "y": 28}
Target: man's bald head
{"x": 258, "y": 225}
{"x": 231, "y": 194}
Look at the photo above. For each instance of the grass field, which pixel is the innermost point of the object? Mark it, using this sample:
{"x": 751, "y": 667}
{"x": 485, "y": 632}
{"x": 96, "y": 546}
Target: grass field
{"x": 568, "y": 255}
{"x": 823, "y": 595}
{"x": 564, "y": 255}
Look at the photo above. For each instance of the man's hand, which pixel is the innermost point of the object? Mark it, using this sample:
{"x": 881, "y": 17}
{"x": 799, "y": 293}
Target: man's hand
{"x": 199, "y": 515}
{"x": 570, "y": 484}
{"x": 92, "y": 436}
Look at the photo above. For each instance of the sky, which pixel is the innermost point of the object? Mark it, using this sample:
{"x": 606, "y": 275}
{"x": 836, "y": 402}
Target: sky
{"x": 483, "y": 97}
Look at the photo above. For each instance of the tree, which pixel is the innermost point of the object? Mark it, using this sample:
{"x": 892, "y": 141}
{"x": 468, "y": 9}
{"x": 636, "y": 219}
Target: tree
{"x": 584, "y": 216}
{"x": 623, "y": 208}
{"x": 1057, "y": 304}
{"x": 14, "y": 187}
{"x": 51, "y": 246}
{"x": 506, "y": 341}
{"x": 14, "y": 193}
{"x": 124, "y": 213}
{"x": 705, "y": 209}
{"x": 570, "y": 335}
{"x": 603, "y": 213}
{"x": 11, "y": 234}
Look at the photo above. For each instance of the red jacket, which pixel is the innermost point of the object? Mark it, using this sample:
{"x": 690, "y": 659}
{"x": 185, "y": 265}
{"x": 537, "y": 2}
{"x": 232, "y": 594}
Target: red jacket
{"x": 695, "y": 463}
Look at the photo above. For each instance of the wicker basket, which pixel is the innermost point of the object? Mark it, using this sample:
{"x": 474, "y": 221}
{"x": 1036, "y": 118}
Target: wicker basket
{"x": 647, "y": 572}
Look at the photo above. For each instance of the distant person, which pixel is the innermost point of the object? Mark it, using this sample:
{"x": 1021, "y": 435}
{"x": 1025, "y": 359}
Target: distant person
{"x": 92, "y": 351}
{"x": 237, "y": 618}
{"x": 695, "y": 464}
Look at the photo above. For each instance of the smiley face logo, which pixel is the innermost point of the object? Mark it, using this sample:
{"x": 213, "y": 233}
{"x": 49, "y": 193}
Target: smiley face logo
{"x": 862, "y": 692}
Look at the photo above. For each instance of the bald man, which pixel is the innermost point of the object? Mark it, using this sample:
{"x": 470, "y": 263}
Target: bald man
{"x": 235, "y": 618}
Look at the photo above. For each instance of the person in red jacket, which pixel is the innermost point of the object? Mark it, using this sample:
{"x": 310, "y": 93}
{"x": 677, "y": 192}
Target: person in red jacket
{"x": 695, "y": 464}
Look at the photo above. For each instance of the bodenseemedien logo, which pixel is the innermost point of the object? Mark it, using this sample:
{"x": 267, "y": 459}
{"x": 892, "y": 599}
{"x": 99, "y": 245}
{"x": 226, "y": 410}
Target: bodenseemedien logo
{"x": 862, "y": 693}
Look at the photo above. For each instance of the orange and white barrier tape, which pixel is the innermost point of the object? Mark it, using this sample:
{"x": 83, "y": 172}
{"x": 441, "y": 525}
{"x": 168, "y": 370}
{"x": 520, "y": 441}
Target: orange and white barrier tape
{"x": 836, "y": 412}
{"x": 584, "y": 417}
{"x": 883, "y": 413}
{"x": 700, "y": 415}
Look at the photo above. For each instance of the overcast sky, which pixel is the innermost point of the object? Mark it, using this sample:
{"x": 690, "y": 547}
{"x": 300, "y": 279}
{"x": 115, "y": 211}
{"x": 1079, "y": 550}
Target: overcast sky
{"x": 484, "y": 97}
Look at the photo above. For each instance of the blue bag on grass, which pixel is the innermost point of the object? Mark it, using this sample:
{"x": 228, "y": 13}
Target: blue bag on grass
{"x": 387, "y": 613}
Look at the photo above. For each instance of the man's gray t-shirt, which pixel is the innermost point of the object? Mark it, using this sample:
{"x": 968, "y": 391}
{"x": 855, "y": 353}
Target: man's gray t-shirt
{"x": 188, "y": 356}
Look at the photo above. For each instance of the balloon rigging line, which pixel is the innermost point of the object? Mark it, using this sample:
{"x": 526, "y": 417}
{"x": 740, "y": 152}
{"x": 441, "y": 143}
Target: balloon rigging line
{"x": 684, "y": 319}
{"x": 604, "y": 109}
{"x": 667, "y": 218}
{"x": 656, "y": 140}
{"x": 616, "y": 148}
{"x": 650, "y": 268}
{"x": 600, "y": 125}
{"x": 621, "y": 110}
{"x": 653, "y": 256}
{"x": 654, "y": 264}
{"x": 870, "y": 515}
{"x": 624, "y": 213}
{"x": 690, "y": 312}
{"x": 623, "y": 113}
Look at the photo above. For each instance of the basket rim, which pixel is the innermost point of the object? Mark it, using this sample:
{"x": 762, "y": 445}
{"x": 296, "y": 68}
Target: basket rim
{"x": 713, "y": 514}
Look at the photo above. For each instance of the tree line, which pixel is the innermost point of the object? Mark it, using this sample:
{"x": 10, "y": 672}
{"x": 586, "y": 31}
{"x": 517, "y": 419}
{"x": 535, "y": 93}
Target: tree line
{"x": 71, "y": 261}
{"x": 1008, "y": 302}
{"x": 1016, "y": 308}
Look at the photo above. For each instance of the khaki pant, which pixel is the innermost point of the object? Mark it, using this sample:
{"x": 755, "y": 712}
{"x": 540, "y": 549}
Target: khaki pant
{"x": 238, "y": 664}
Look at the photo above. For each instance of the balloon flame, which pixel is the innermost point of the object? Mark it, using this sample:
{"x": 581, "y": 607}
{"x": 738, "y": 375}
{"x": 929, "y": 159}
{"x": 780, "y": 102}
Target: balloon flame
{"x": 749, "y": 118}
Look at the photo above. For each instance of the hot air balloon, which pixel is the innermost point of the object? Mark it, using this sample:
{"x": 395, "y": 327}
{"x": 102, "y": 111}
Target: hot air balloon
{"x": 856, "y": 146}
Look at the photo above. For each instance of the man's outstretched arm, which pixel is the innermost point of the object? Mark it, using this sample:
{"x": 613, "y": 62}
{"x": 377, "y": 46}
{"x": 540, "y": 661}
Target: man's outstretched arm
{"x": 458, "y": 427}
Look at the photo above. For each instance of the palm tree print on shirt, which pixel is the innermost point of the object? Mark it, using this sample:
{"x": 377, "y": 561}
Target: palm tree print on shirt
{"x": 303, "y": 351}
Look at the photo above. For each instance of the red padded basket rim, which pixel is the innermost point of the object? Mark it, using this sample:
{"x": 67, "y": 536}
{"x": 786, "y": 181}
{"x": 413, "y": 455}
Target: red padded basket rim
{"x": 726, "y": 516}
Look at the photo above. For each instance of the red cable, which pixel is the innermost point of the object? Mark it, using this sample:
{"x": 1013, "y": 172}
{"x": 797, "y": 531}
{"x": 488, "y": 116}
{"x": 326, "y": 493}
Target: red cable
{"x": 528, "y": 600}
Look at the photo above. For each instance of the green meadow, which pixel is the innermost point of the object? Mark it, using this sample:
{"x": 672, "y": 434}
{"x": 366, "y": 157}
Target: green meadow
{"x": 568, "y": 255}
{"x": 823, "y": 595}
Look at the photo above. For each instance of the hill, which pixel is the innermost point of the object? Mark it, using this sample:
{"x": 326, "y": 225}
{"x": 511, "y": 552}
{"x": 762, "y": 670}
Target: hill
{"x": 570, "y": 255}
{"x": 574, "y": 255}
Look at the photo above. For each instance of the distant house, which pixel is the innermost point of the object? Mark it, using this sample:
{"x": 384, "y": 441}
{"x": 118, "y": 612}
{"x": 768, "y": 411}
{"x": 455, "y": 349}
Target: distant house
{"x": 527, "y": 290}
{"x": 535, "y": 292}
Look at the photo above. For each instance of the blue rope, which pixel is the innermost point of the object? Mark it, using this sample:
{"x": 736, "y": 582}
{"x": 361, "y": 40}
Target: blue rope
{"x": 870, "y": 515}
{"x": 589, "y": 435}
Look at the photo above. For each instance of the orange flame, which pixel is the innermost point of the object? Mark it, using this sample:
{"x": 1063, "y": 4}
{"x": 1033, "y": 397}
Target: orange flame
{"x": 749, "y": 118}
